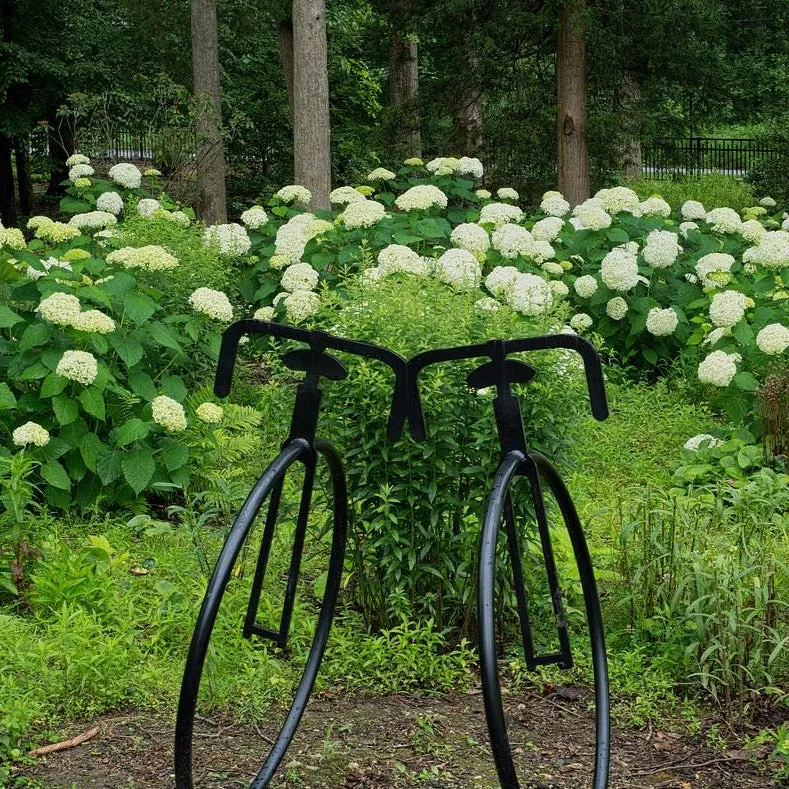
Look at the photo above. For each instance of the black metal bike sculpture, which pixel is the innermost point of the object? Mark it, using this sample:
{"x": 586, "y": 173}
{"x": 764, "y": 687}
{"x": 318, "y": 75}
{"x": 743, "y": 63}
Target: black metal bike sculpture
{"x": 303, "y": 446}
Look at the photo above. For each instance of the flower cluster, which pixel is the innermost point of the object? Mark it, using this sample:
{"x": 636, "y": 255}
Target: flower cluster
{"x": 232, "y": 239}
{"x": 48, "y": 264}
{"x": 398, "y": 258}
{"x": 365, "y": 213}
{"x": 111, "y": 202}
{"x": 512, "y": 240}
{"x": 94, "y": 322}
{"x": 554, "y": 204}
{"x": 723, "y": 220}
{"x": 727, "y": 308}
{"x": 421, "y": 198}
{"x": 547, "y": 229}
{"x": 127, "y": 175}
{"x": 12, "y": 237}
{"x": 719, "y": 368}
{"x": 701, "y": 440}
{"x": 79, "y": 366}
{"x": 56, "y": 232}
{"x": 213, "y": 303}
{"x": 692, "y": 210}
{"x": 661, "y": 249}
{"x": 346, "y": 194}
{"x": 93, "y": 220}
{"x": 470, "y": 237}
{"x": 30, "y": 433}
{"x": 590, "y": 215}
{"x": 254, "y": 218}
{"x": 60, "y": 309}
{"x": 585, "y": 286}
{"x": 381, "y": 174}
{"x": 459, "y": 269}
{"x": 507, "y": 193}
{"x": 264, "y": 314}
{"x": 713, "y": 270}
{"x": 294, "y": 193}
{"x": 500, "y": 280}
{"x": 80, "y": 171}
{"x": 771, "y": 250}
{"x": 619, "y": 269}
{"x": 150, "y": 258}
{"x": 530, "y": 294}
{"x": 616, "y": 308}
{"x": 619, "y": 199}
{"x": 498, "y": 214}
{"x": 210, "y": 413}
{"x": 77, "y": 158}
{"x": 299, "y": 276}
{"x": 168, "y": 413}
{"x": 147, "y": 206}
{"x": 299, "y": 305}
{"x": 773, "y": 339}
{"x": 655, "y": 206}
{"x": 662, "y": 322}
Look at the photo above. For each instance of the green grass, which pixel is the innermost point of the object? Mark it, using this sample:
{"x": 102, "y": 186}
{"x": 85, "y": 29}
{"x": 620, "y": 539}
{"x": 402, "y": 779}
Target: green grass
{"x": 713, "y": 191}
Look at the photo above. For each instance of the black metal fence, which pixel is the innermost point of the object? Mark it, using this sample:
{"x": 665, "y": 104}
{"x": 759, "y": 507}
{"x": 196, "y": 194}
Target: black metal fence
{"x": 665, "y": 159}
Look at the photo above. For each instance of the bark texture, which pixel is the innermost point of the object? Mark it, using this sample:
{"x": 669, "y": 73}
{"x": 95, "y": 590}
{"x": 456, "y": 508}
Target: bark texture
{"x": 403, "y": 94}
{"x": 210, "y": 148}
{"x": 628, "y": 95}
{"x": 22, "y": 176}
{"x": 311, "y": 130}
{"x": 467, "y": 113}
{"x": 572, "y": 145}
{"x": 7, "y": 192}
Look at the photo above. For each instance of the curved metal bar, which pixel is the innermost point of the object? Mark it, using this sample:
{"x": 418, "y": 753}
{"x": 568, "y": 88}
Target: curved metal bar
{"x": 292, "y": 451}
{"x": 491, "y": 691}
{"x": 401, "y": 409}
{"x": 593, "y": 615}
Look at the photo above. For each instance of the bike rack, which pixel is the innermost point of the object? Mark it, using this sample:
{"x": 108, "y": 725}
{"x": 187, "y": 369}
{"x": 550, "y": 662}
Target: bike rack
{"x": 500, "y": 372}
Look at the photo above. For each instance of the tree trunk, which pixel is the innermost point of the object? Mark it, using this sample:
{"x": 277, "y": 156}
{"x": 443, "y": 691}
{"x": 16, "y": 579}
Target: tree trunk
{"x": 22, "y": 176}
{"x": 628, "y": 94}
{"x": 210, "y": 148}
{"x": 7, "y": 194}
{"x": 572, "y": 147}
{"x": 467, "y": 121}
{"x": 285, "y": 37}
{"x": 311, "y": 129}
{"x": 403, "y": 92}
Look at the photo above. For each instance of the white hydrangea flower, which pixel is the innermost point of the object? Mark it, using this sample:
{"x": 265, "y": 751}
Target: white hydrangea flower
{"x": 299, "y": 276}
{"x": 470, "y": 166}
{"x": 168, "y": 413}
{"x": 619, "y": 269}
{"x": 294, "y": 193}
{"x": 719, "y": 368}
{"x": 93, "y": 220}
{"x": 13, "y": 238}
{"x": 79, "y": 366}
{"x": 442, "y": 165}
{"x": 30, "y": 433}
{"x": 592, "y": 215}
{"x": 151, "y": 258}
{"x": 254, "y": 218}
{"x": 399, "y": 258}
{"x": 500, "y": 280}
{"x": 554, "y": 204}
{"x": 126, "y": 175}
{"x": 616, "y": 308}
{"x": 585, "y": 286}
{"x": 371, "y": 276}
{"x": 771, "y": 250}
{"x": 213, "y": 303}
{"x": 210, "y": 413}
{"x": 111, "y": 202}
{"x": 232, "y": 239}
{"x": 278, "y": 262}
{"x": 754, "y": 212}
{"x": 421, "y": 198}
{"x": 94, "y": 322}
{"x": 36, "y": 221}
{"x": 59, "y": 309}
{"x": 530, "y": 294}
{"x": 147, "y": 206}
{"x": 541, "y": 251}
{"x": 773, "y": 339}
{"x": 702, "y": 440}
{"x": 487, "y": 304}
{"x": 80, "y": 171}
{"x": 300, "y": 305}
{"x": 507, "y": 193}
{"x": 499, "y": 214}
{"x": 767, "y": 202}
{"x": 413, "y": 161}
{"x": 655, "y": 206}
{"x": 552, "y": 269}
{"x": 77, "y": 158}
{"x": 483, "y": 194}
{"x": 618, "y": 199}
{"x": 727, "y": 308}
{"x": 714, "y": 270}
{"x": 752, "y": 230}
{"x": 662, "y": 249}
{"x": 381, "y": 174}
{"x": 581, "y": 321}
{"x": 723, "y": 220}
{"x": 512, "y": 240}
{"x": 264, "y": 314}
{"x": 559, "y": 289}
{"x": 346, "y": 194}
{"x": 692, "y": 210}
{"x": 180, "y": 218}
{"x": 547, "y": 229}
{"x": 662, "y": 322}
{"x": 785, "y": 224}
{"x": 471, "y": 237}
{"x": 365, "y": 213}
{"x": 459, "y": 269}
{"x": 687, "y": 227}
{"x": 50, "y": 263}
{"x": 716, "y": 334}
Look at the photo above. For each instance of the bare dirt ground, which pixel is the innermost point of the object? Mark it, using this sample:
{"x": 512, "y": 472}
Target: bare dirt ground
{"x": 397, "y": 741}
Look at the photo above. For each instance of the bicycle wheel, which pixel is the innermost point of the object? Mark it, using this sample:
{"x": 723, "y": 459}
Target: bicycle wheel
{"x": 269, "y": 485}
{"x": 499, "y": 507}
